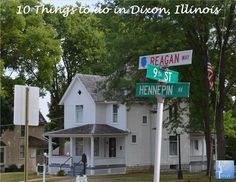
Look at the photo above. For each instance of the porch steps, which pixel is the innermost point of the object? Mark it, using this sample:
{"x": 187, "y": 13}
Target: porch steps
{"x": 77, "y": 170}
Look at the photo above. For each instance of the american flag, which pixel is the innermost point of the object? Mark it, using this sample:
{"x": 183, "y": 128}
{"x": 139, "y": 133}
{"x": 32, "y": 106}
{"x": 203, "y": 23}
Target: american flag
{"x": 210, "y": 75}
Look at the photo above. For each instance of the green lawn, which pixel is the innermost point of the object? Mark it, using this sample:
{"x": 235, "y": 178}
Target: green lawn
{"x": 148, "y": 177}
{"x": 19, "y": 176}
{"x": 134, "y": 177}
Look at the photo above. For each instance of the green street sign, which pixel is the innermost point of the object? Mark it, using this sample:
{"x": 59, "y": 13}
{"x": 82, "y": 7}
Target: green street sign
{"x": 156, "y": 73}
{"x": 180, "y": 89}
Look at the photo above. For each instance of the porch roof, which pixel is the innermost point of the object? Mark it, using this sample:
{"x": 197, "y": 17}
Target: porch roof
{"x": 89, "y": 130}
{"x": 37, "y": 142}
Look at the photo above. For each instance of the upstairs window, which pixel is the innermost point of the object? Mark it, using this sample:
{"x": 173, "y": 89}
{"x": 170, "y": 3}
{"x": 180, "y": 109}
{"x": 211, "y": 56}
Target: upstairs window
{"x": 79, "y": 113}
{"x": 134, "y": 139}
{"x": 115, "y": 113}
{"x": 22, "y": 131}
{"x": 196, "y": 144}
{"x": 144, "y": 120}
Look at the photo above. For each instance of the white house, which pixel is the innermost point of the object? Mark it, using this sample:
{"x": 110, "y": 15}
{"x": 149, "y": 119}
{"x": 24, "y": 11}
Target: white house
{"x": 114, "y": 137}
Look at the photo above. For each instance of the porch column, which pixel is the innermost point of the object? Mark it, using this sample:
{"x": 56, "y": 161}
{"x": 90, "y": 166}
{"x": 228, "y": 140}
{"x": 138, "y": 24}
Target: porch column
{"x": 49, "y": 153}
{"x": 92, "y": 152}
{"x": 203, "y": 153}
{"x": 71, "y": 150}
{"x": 49, "y": 149}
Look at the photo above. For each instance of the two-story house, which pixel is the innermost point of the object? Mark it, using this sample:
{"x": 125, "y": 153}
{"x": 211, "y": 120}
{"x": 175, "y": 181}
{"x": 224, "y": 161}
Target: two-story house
{"x": 116, "y": 138}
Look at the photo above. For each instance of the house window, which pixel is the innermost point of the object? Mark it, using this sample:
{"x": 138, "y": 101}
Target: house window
{"x": 79, "y": 146}
{"x": 134, "y": 139}
{"x": 196, "y": 144}
{"x": 115, "y": 113}
{"x": 96, "y": 146}
{"x": 144, "y": 120}
{"x": 22, "y": 131}
{"x": 173, "y": 145}
{"x": 79, "y": 113}
{"x": 22, "y": 148}
{"x": 1, "y": 155}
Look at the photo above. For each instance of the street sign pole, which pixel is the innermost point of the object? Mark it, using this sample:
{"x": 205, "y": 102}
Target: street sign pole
{"x": 26, "y": 134}
{"x": 157, "y": 162}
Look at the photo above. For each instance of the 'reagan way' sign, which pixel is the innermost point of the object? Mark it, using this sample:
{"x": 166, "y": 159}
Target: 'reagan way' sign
{"x": 166, "y": 59}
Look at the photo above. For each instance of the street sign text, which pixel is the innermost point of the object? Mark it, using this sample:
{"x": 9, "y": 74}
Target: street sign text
{"x": 180, "y": 89}
{"x": 156, "y": 73}
{"x": 166, "y": 59}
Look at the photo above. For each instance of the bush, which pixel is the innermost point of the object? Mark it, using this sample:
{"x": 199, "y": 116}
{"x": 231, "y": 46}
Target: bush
{"x": 12, "y": 168}
{"x": 21, "y": 169}
{"x": 61, "y": 173}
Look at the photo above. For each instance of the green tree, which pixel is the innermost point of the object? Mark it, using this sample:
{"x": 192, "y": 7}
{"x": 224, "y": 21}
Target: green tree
{"x": 83, "y": 51}
{"x": 130, "y": 36}
{"x": 28, "y": 49}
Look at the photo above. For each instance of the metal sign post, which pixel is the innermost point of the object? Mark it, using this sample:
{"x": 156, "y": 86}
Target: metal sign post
{"x": 26, "y": 112}
{"x": 171, "y": 88}
{"x": 157, "y": 162}
{"x": 26, "y": 134}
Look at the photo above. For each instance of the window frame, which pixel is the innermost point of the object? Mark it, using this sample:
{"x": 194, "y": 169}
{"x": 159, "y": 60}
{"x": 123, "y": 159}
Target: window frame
{"x": 175, "y": 142}
{"x": 96, "y": 147}
{"x": 115, "y": 113}
{"x": 22, "y": 152}
{"x": 196, "y": 144}
{"x": 144, "y": 116}
{"x": 133, "y": 135}
{"x": 77, "y": 111}
{"x": 4, "y": 155}
{"x": 22, "y": 131}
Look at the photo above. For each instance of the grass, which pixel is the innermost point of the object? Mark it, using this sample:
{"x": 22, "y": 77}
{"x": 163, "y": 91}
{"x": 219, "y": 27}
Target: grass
{"x": 19, "y": 176}
{"x": 132, "y": 177}
{"x": 148, "y": 177}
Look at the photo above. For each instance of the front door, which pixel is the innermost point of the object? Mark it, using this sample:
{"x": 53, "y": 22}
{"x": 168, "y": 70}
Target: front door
{"x": 112, "y": 147}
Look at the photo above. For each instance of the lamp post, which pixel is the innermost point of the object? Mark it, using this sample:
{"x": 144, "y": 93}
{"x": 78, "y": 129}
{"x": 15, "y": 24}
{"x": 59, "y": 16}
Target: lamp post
{"x": 178, "y": 132}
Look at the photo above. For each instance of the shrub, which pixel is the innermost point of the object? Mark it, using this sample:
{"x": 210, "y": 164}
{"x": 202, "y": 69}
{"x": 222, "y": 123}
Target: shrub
{"x": 12, "y": 168}
{"x": 61, "y": 173}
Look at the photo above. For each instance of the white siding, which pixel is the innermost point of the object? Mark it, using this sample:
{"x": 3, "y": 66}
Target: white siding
{"x": 143, "y": 152}
{"x": 73, "y": 99}
{"x": 139, "y": 153}
{"x": 101, "y": 113}
{"x": 122, "y": 116}
{"x": 167, "y": 159}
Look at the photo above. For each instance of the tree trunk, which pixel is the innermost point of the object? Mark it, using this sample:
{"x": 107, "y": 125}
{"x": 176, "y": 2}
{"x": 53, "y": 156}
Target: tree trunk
{"x": 220, "y": 121}
{"x": 207, "y": 118}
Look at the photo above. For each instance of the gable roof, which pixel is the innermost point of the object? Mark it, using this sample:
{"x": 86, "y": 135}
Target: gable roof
{"x": 92, "y": 84}
{"x": 90, "y": 129}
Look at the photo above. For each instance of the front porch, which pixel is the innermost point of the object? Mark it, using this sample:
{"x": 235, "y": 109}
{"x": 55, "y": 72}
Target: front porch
{"x": 105, "y": 151}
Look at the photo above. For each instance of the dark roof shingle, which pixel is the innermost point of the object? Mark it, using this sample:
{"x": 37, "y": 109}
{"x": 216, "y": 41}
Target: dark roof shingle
{"x": 93, "y": 85}
{"x": 89, "y": 129}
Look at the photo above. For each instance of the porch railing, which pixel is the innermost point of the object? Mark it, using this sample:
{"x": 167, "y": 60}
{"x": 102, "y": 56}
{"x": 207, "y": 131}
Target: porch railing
{"x": 74, "y": 166}
{"x": 65, "y": 163}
